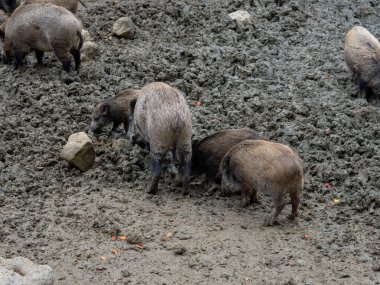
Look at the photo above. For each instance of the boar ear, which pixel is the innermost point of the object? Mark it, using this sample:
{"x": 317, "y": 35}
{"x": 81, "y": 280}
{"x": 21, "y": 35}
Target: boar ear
{"x": 132, "y": 105}
{"x": 105, "y": 108}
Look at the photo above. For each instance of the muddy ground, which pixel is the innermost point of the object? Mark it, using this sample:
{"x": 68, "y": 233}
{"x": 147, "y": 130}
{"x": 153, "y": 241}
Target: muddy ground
{"x": 283, "y": 75}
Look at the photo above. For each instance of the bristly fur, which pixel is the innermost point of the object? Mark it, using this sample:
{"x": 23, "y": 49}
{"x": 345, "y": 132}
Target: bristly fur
{"x": 258, "y": 165}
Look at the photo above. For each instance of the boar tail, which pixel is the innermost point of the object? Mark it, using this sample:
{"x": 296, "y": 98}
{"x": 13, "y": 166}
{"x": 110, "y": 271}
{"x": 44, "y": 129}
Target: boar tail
{"x": 80, "y": 39}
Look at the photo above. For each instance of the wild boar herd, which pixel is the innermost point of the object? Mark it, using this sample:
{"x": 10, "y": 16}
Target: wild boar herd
{"x": 158, "y": 118}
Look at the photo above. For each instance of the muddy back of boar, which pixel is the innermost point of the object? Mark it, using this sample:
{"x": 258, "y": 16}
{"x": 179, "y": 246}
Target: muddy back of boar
{"x": 161, "y": 118}
{"x": 267, "y": 167}
{"x": 115, "y": 110}
{"x": 71, "y": 5}
{"x": 362, "y": 56}
{"x": 42, "y": 28}
{"x": 208, "y": 152}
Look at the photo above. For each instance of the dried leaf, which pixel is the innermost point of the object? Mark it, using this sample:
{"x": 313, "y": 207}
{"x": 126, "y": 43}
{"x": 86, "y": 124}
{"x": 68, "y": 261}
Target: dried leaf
{"x": 306, "y": 236}
{"x": 115, "y": 250}
{"x": 140, "y": 245}
{"x": 169, "y": 234}
{"x": 114, "y": 238}
{"x": 100, "y": 268}
{"x": 123, "y": 237}
{"x": 103, "y": 257}
{"x": 162, "y": 239}
{"x": 246, "y": 279}
{"x": 197, "y": 103}
{"x": 335, "y": 201}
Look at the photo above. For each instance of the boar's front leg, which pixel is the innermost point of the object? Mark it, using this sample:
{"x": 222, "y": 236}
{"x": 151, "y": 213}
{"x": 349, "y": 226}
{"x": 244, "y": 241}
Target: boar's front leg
{"x": 39, "y": 56}
{"x": 19, "y": 57}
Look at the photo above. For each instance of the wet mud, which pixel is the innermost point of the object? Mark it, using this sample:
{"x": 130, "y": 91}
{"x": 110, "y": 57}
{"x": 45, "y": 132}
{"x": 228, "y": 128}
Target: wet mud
{"x": 283, "y": 75}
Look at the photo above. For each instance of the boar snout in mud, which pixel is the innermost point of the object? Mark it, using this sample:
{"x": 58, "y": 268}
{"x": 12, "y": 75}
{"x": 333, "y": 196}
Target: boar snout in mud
{"x": 161, "y": 118}
{"x": 258, "y": 165}
{"x": 41, "y": 28}
{"x": 362, "y": 56}
{"x": 208, "y": 152}
{"x": 115, "y": 110}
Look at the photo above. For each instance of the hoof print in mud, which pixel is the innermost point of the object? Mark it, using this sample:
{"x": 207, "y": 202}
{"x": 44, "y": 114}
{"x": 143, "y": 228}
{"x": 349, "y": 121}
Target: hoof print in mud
{"x": 79, "y": 151}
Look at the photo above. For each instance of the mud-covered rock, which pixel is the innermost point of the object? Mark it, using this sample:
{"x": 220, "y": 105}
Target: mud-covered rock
{"x": 241, "y": 16}
{"x": 22, "y": 271}
{"x": 79, "y": 151}
{"x": 124, "y": 28}
{"x": 86, "y": 36}
{"x": 88, "y": 50}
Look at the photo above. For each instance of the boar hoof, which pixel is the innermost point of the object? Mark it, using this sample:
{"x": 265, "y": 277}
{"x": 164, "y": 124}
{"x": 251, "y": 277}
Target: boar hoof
{"x": 185, "y": 192}
{"x": 152, "y": 190}
{"x": 268, "y": 222}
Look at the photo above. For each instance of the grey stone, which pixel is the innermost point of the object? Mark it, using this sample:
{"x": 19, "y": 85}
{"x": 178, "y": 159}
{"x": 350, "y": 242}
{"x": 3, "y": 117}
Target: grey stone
{"x": 124, "y": 27}
{"x": 79, "y": 151}
{"x": 88, "y": 50}
{"x": 241, "y": 16}
{"x": 22, "y": 271}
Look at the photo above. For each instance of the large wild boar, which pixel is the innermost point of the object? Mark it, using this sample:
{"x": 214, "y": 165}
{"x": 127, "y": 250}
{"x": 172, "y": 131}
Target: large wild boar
{"x": 362, "y": 56}
{"x": 10, "y": 5}
{"x": 208, "y": 152}
{"x": 258, "y": 165}
{"x": 161, "y": 118}
{"x": 41, "y": 28}
{"x": 115, "y": 110}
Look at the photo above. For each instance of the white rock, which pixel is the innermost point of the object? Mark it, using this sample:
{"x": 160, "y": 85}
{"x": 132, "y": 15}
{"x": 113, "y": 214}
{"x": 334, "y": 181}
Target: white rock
{"x": 88, "y": 50}
{"x": 124, "y": 28}
{"x": 241, "y": 16}
{"x": 22, "y": 271}
{"x": 79, "y": 151}
{"x": 86, "y": 35}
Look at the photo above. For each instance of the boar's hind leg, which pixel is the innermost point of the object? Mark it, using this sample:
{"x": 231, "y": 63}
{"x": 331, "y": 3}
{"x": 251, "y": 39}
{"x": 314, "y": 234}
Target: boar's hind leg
{"x": 64, "y": 57}
{"x": 76, "y": 55}
{"x": 278, "y": 201}
{"x": 39, "y": 56}
{"x": 184, "y": 157}
{"x": 156, "y": 172}
{"x": 294, "y": 199}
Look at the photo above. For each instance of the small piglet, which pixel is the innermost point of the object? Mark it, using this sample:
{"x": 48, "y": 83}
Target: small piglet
{"x": 161, "y": 118}
{"x": 115, "y": 110}
{"x": 257, "y": 165}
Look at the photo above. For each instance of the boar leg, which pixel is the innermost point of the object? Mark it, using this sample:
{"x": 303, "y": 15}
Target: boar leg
{"x": 39, "y": 56}
{"x": 19, "y": 57}
{"x": 156, "y": 173}
{"x": 76, "y": 54}
{"x": 184, "y": 167}
{"x": 362, "y": 88}
{"x": 278, "y": 201}
{"x": 294, "y": 199}
{"x": 64, "y": 57}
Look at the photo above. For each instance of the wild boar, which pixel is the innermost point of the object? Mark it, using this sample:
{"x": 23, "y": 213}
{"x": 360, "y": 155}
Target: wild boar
{"x": 208, "y": 152}
{"x": 258, "y": 165}
{"x": 362, "y": 56}
{"x": 41, "y": 28}
{"x": 161, "y": 118}
{"x": 115, "y": 110}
